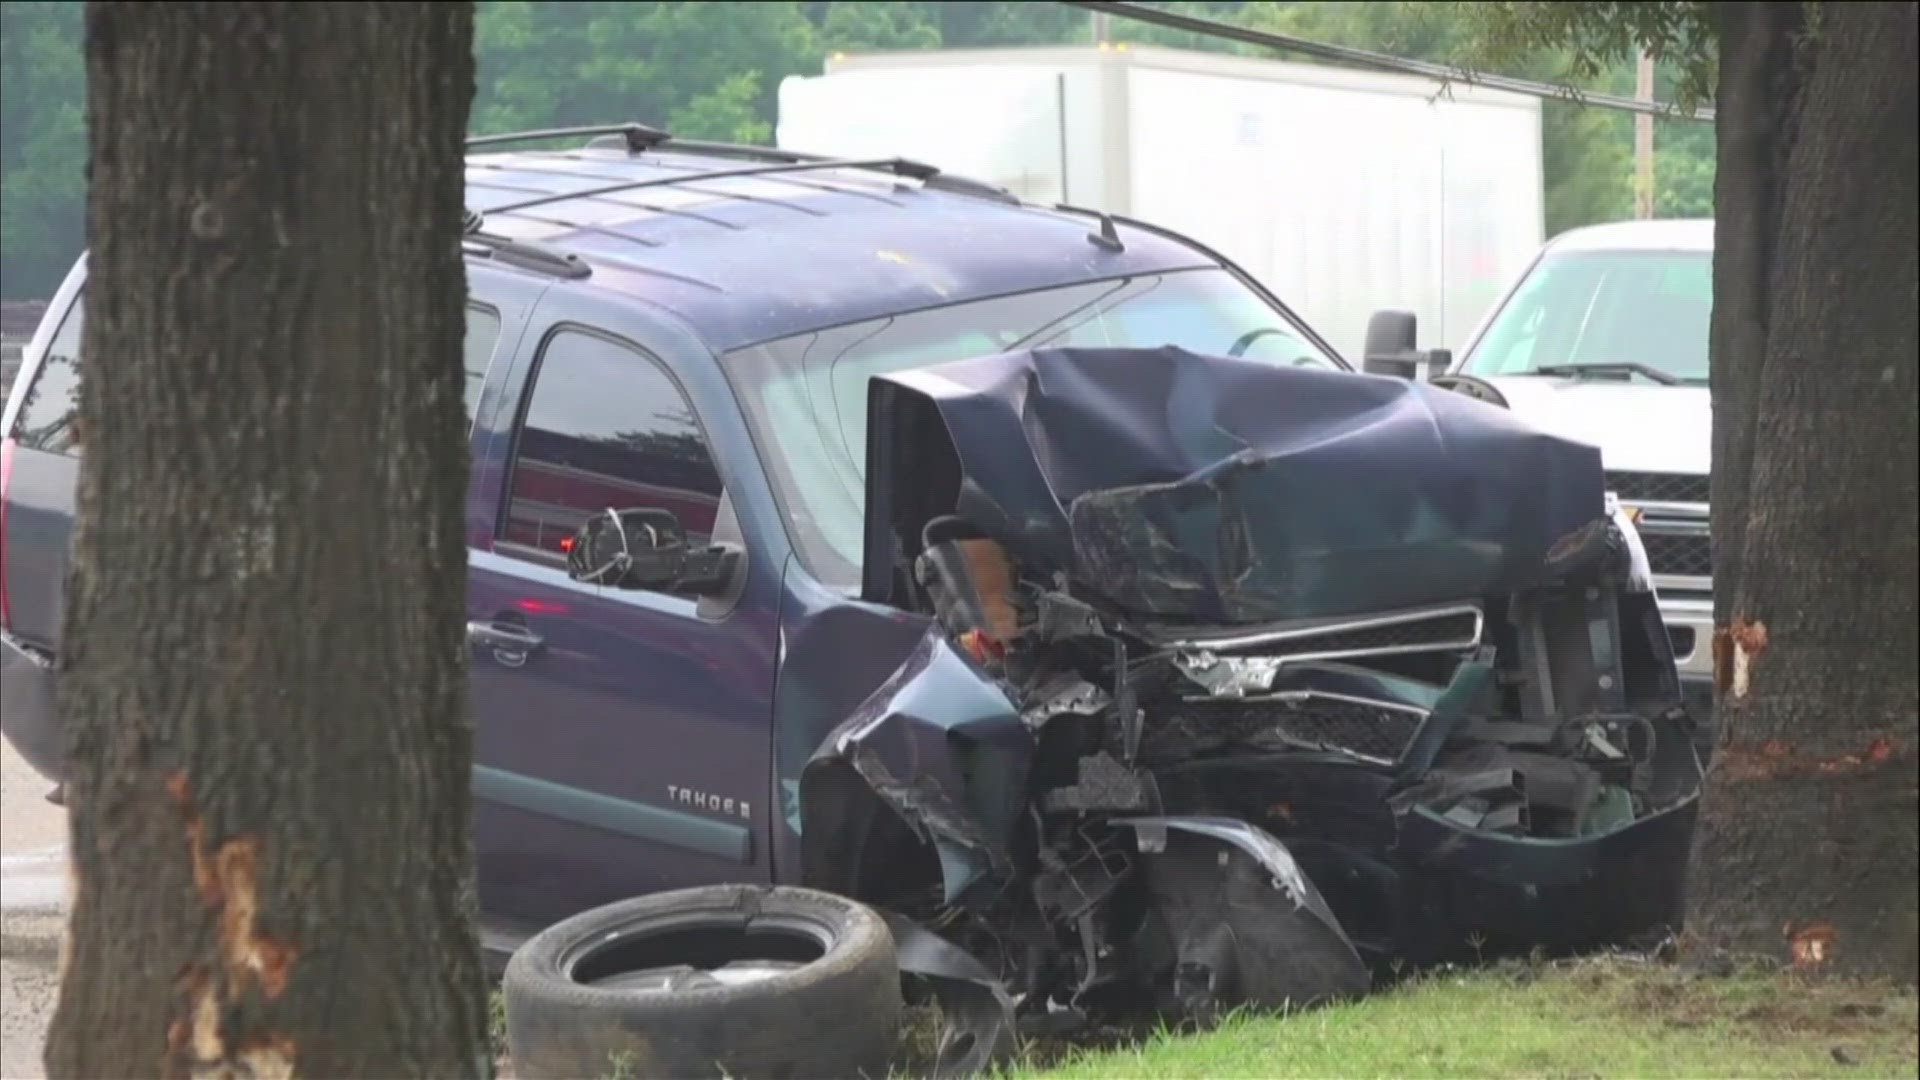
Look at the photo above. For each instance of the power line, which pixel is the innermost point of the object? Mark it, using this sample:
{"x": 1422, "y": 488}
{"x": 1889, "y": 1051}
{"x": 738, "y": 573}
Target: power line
{"x": 1383, "y": 62}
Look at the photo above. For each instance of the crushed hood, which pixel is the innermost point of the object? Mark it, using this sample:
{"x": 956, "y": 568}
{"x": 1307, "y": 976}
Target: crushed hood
{"x": 1639, "y": 427}
{"x": 1199, "y": 489}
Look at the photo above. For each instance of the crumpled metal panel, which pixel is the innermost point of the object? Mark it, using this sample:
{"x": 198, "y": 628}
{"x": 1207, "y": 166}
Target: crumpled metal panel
{"x": 1268, "y": 939}
{"x": 1214, "y": 490}
{"x": 978, "y": 1031}
{"x": 946, "y": 749}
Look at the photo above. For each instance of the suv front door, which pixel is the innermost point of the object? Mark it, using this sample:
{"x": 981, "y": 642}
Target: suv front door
{"x": 622, "y": 741}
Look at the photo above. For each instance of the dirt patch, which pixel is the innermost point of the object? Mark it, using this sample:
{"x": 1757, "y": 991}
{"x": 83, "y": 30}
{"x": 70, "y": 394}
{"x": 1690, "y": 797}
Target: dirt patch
{"x": 1761, "y": 1006}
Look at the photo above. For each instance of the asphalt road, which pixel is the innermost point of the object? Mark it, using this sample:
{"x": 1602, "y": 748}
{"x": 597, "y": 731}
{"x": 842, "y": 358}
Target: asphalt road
{"x": 33, "y": 835}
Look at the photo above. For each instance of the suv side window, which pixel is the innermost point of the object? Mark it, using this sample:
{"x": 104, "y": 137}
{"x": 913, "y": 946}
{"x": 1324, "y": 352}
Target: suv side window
{"x": 50, "y": 416}
{"x": 50, "y": 420}
{"x": 483, "y": 332}
{"x": 605, "y": 427}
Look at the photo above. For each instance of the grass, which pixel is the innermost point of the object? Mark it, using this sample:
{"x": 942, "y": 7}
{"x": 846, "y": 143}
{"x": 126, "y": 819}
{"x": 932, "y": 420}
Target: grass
{"x": 1608, "y": 1017}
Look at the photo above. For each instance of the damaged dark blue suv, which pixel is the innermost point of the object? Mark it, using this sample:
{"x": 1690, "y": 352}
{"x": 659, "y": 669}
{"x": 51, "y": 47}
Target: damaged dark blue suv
{"x": 1028, "y": 575}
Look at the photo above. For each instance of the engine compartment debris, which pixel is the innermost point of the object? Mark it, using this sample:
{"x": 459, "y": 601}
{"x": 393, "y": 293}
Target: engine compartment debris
{"x": 1142, "y": 763}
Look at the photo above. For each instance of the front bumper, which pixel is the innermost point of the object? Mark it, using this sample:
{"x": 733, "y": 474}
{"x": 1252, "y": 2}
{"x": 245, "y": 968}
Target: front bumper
{"x": 1690, "y": 627}
{"x": 27, "y": 715}
{"x": 1471, "y": 894}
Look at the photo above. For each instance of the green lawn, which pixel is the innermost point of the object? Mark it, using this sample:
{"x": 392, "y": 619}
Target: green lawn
{"x": 1595, "y": 1018}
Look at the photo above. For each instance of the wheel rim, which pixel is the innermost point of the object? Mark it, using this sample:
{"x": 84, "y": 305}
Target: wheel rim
{"x": 683, "y": 977}
{"x": 695, "y": 952}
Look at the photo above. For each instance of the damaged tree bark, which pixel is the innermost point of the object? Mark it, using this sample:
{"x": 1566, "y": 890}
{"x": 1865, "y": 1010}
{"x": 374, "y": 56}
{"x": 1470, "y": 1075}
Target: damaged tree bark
{"x": 264, "y": 669}
{"x": 1806, "y": 848}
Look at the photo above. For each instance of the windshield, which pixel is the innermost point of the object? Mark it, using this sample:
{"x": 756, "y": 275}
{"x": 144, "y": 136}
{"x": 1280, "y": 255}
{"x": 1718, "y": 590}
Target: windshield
{"x": 806, "y": 396}
{"x": 1600, "y": 308}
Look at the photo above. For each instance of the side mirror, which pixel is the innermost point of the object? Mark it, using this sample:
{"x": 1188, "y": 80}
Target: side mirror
{"x": 646, "y": 548}
{"x": 1393, "y": 349}
{"x": 628, "y": 549}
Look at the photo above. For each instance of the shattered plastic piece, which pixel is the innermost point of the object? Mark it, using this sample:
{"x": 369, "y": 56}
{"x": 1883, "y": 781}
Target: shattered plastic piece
{"x": 1597, "y": 738}
{"x": 978, "y": 1029}
{"x": 1062, "y": 618}
{"x": 1064, "y": 695}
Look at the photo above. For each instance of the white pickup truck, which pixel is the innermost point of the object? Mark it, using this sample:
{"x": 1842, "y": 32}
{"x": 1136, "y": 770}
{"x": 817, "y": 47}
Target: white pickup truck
{"x": 1604, "y": 339}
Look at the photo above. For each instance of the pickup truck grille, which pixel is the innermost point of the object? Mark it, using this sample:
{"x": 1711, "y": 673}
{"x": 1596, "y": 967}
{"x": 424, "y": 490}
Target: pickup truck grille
{"x": 1679, "y": 554}
{"x": 1659, "y": 487}
{"x": 1673, "y": 525}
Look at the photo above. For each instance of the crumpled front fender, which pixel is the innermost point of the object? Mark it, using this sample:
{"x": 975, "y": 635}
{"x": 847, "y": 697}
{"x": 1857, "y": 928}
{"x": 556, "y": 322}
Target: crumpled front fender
{"x": 1151, "y": 837}
{"x": 941, "y": 745}
{"x": 1249, "y": 930}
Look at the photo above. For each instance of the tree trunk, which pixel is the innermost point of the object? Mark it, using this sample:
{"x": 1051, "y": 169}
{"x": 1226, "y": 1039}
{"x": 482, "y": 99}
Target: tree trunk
{"x": 1807, "y": 838}
{"x": 264, "y": 662}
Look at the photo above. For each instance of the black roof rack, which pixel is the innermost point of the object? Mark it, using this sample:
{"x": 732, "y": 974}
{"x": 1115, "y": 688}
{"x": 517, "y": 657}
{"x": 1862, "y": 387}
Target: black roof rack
{"x": 1108, "y": 237}
{"x": 898, "y": 166}
{"x": 635, "y": 137}
{"x": 525, "y": 254}
{"x": 639, "y": 138}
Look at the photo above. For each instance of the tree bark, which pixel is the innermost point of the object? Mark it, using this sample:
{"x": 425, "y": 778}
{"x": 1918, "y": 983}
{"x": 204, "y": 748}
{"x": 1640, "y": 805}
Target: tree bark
{"x": 1807, "y": 842}
{"x": 264, "y": 662}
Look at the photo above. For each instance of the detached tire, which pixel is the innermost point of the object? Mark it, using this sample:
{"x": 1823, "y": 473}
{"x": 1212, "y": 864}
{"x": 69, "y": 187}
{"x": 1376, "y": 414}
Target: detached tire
{"x": 736, "y": 980}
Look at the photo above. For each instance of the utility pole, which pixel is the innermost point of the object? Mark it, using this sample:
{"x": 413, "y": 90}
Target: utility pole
{"x": 1643, "y": 143}
{"x": 1102, "y": 28}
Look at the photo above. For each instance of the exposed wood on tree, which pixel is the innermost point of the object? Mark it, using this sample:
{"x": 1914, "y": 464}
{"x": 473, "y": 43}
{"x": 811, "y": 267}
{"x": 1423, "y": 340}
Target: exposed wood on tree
{"x": 264, "y": 662}
{"x": 1807, "y": 842}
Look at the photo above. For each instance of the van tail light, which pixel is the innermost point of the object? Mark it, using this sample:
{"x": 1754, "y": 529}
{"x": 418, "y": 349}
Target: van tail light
{"x": 6, "y": 479}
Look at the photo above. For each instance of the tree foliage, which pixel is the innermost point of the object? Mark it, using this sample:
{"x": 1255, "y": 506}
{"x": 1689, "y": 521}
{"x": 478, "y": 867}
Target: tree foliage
{"x": 1597, "y": 37}
{"x": 713, "y": 70}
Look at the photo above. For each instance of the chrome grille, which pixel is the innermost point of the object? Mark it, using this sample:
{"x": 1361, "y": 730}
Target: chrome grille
{"x": 1440, "y": 629}
{"x": 1679, "y": 554}
{"x": 1659, "y": 487}
{"x": 1440, "y": 632}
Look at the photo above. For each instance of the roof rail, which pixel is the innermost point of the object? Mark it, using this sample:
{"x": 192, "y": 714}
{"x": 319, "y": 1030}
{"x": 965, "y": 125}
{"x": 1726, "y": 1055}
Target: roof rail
{"x": 928, "y": 175}
{"x": 914, "y": 170}
{"x": 639, "y": 138}
{"x": 636, "y": 137}
{"x": 1107, "y": 237}
{"x": 525, "y": 254}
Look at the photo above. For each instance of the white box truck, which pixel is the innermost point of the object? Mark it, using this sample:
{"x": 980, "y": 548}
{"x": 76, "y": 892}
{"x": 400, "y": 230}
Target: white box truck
{"x": 1342, "y": 191}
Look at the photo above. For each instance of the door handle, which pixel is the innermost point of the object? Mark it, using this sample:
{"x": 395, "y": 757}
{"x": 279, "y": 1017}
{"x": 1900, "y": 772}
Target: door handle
{"x": 510, "y": 642}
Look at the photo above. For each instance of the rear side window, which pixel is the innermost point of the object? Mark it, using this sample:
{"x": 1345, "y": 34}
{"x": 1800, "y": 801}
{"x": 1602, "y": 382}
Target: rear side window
{"x": 605, "y": 428}
{"x": 50, "y": 420}
{"x": 483, "y": 332}
{"x": 50, "y": 416}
